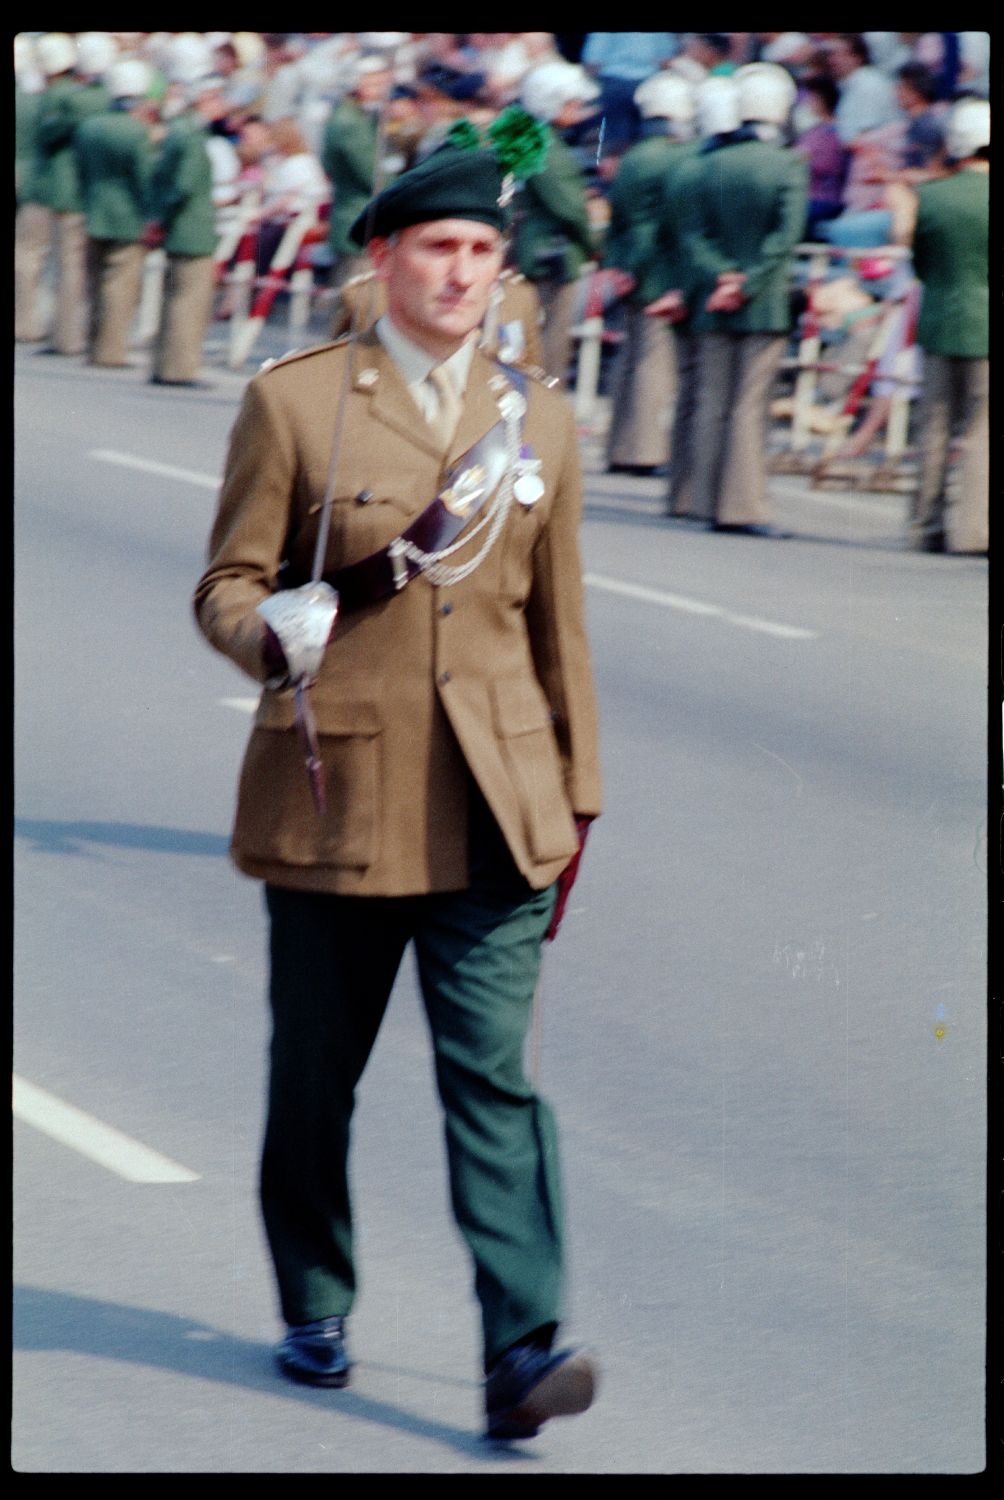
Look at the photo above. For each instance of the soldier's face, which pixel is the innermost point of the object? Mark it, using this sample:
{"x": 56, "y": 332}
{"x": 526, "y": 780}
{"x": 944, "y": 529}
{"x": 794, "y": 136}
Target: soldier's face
{"x": 439, "y": 277}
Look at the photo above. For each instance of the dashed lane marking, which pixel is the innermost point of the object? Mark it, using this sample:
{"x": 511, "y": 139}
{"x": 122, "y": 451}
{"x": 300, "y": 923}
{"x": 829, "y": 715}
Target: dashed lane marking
{"x": 150, "y": 466}
{"x": 698, "y": 607}
{"x": 92, "y": 1138}
{"x": 596, "y": 580}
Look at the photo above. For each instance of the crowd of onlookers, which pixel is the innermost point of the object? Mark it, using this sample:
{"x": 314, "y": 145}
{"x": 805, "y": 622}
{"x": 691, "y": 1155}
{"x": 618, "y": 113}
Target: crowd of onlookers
{"x": 192, "y": 141}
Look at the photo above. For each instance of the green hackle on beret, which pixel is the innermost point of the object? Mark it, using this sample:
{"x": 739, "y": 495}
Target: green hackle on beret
{"x": 468, "y": 177}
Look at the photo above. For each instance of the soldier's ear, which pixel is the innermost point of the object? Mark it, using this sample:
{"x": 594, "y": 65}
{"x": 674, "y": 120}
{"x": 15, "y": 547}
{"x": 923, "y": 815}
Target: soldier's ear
{"x": 378, "y": 249}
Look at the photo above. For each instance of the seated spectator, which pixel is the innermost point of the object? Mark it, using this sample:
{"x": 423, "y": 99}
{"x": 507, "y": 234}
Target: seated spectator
{"x": 867, "y": 97}
{"x": 916, "y": 94}
{"x": 827, "y": 157}
{"x": 293, "y": 182}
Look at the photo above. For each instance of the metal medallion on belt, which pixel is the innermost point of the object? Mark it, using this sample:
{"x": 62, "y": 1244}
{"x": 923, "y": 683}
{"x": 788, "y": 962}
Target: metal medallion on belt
{"x": 465, "y": 489}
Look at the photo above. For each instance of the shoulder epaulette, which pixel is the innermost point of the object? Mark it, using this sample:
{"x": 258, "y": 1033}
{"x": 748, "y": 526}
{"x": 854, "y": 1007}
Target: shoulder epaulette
{"x": 291, "y": 354}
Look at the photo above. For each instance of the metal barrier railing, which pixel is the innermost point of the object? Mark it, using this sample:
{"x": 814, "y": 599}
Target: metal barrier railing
{"x": 808, "y": 361}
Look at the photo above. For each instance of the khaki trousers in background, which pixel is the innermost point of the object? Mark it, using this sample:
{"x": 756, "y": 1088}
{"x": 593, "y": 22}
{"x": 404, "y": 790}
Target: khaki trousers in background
{"x": 680, "y": 498}
{"x": 189, "y": 286}
{"x": 953, "y": 501}
{"x": 557, "y": 307}
{"x": 644, "y": 382}
{"x": 115, "y": 282}
{"x": 38, "y": 231}
{"x": 736, "y": 377}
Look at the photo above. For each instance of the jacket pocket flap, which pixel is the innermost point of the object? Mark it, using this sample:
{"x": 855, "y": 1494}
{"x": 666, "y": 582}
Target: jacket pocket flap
{"x": 520, "y": 706}
{"x": 345, "y": 716}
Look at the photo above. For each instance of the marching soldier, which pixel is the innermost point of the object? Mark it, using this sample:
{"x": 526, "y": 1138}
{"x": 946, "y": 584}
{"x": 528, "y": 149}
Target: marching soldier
{"x": 950, "y": 241}
{"x": 744, "y": 211}
{"x": 512, "y": 323}
{"x": 115, "y": 156}
{"x": 553, "y": 235}
{"x": 452, "y": 750}
{"x": 184, "y": 222}
{"x": 644, "y": 380}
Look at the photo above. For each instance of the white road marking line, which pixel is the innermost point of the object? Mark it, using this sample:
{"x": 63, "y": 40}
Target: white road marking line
{"x": 101, "y": 1143}
{"x": 149, "y": 466}
{"x": 698, "y": 607}
{"x": 242, "y": 705}
{"x": 611, "y": 585}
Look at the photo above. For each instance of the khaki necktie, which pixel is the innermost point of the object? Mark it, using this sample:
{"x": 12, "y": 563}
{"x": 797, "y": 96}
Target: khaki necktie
{"x": 448, "y": 406}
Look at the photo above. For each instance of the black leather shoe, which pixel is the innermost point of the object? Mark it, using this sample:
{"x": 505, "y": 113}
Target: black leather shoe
{"x": 751, "y": 529}
{"x": 315, "y": 1353}
{"x": 529, "y": 1385}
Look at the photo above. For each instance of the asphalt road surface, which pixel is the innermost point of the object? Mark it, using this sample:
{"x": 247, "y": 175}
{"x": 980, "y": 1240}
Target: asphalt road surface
{"x": 764, "y": 1023}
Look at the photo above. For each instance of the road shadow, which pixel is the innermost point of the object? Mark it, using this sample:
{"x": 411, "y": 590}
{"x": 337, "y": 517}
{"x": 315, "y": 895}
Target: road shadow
{"x": 49, "y": 1321}
{"x": 52, "y": 837}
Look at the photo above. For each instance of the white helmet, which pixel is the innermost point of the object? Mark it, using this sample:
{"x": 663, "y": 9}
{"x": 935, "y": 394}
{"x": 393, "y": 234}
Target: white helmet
{"x": 664, "y": 96}
{"x": 717, "y": 105}
{"x": 130, "y": 78}
{"x": 24, "y": 54}
{"x": 96, "y": 51}
{"x": 688, "y": 68}
{"x": 380, "y": 41}
{"x": 55, "y": 53}
{"x": 547, "y": 88}
{"x": 968, "y": 128}
{"x": 249, "y": 47}
{"x": 766, "y": 93}
{"x": 187, "y": 57}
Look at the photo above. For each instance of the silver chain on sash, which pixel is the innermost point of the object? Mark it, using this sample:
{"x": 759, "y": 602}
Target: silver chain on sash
{"x": 512, "y": 407}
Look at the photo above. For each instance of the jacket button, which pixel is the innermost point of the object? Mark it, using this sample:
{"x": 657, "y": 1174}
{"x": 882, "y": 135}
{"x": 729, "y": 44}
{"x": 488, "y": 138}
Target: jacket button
{"x": 444, "y": 677}
{"x": 446, "y": 609}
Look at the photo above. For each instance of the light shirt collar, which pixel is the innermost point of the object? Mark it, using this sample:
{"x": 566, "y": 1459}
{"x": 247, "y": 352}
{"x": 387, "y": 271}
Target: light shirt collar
{"x": 415, "y": 362}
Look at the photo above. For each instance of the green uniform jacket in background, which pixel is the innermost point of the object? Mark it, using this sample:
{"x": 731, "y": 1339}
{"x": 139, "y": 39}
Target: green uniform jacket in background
{"x": 744, "y": 209}
{"x": 65, "y": 105}
{"x": 643, "y": 235}
{"x": 115, "y": 159}
{"x": 552, "y": 213}
{"x": 26, "y": 111}
{"x": 348, "y": 156}
{"x": 950, "y": 257}
{"x": 181, "y": 190}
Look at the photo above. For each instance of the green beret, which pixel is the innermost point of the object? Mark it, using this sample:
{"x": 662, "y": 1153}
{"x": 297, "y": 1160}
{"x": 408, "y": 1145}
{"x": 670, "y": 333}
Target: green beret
{"x": 449, "y": 184}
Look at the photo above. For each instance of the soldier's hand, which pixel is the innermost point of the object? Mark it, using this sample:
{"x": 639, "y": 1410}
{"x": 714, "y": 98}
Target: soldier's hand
{"x": 567, "y": 879}
{"x": 729, "y": 295}
{"x": 670, "y": 305}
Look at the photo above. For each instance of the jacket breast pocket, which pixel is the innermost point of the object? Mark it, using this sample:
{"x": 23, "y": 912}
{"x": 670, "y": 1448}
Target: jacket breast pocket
{"x": 276, "y": 817}
{"x": 529, "y": 748}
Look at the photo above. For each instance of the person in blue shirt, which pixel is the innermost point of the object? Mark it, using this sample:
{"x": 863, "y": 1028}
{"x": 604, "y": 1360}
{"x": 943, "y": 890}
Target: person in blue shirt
{"x": 620, "y": 61}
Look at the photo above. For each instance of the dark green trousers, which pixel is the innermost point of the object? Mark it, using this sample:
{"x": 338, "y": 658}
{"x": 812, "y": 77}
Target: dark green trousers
{"x": 334, "y": 960}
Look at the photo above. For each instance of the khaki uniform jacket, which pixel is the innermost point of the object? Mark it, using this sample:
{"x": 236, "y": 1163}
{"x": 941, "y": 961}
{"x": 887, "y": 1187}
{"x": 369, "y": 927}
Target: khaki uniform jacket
{"x": 489, "y": 678}
{"x": 363, "y": 299}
